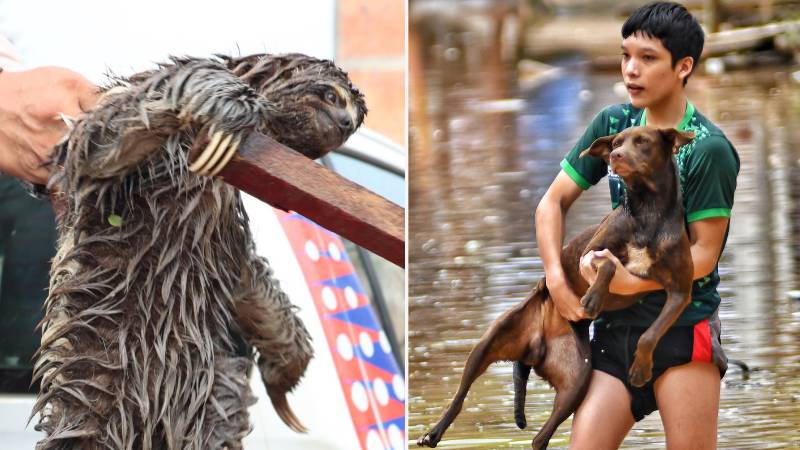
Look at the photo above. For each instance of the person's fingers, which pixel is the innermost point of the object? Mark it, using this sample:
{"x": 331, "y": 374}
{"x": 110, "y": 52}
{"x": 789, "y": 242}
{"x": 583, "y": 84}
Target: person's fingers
{"x": 75, "y": 94}
{"x": 80, "y": 101}
{"x": 40, "y": 175}
{"x": 586, "y": 260}
{"x": 577, "y": 313}
{"x": 30, "y": 167}
{"x": 604, "y": 253}
{"x": 87, "y": 96}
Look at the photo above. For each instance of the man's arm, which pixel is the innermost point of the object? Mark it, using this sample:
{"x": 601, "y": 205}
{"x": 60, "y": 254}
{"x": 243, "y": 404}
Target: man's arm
{"x": 31, "y": 102}
{"x": 550, "y": 216}
{"x": 706, "y": 238}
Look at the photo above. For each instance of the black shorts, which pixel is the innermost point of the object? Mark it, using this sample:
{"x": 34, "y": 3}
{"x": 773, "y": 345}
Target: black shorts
{"x": 613, "y": 349}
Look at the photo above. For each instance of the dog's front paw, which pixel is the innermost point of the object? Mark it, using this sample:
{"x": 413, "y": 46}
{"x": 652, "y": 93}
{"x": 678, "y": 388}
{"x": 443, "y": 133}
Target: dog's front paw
{"x": 640, "y": 373}
{"x": 591, "y": 304}
{"x": 429, "y": 439}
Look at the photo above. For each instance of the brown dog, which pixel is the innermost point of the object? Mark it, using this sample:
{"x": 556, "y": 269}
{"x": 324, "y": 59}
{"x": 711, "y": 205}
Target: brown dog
{"x": 647, "y": 233}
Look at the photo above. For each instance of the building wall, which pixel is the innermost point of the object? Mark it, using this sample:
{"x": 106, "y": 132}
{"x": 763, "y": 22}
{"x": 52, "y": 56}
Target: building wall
{"x": 371, "y": 48}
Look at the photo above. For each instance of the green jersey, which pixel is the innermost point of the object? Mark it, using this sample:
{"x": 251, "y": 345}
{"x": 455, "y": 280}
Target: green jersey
{"x": 707, "y": 169}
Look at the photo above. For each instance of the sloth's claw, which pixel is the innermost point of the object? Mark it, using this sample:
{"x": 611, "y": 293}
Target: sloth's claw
{"x": 216, "y": 155}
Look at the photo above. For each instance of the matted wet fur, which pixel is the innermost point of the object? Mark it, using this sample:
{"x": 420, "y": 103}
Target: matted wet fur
{"x": 156, "y": 275}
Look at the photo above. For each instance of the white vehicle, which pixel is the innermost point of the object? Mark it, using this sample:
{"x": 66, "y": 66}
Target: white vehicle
{"x": 353, "y": 394}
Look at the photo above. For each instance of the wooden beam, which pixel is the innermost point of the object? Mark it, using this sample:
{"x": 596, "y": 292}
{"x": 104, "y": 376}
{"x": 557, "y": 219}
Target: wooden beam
{"x": 288, "y": 180}
{"x": 746, "y": 38}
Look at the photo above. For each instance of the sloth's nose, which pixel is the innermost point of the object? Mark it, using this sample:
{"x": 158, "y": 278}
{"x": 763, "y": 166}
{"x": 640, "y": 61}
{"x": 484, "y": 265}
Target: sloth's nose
{"x": 344, "y": 120}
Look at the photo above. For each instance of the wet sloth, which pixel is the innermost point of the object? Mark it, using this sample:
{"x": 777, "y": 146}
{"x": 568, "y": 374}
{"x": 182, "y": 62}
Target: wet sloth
{"x": 156, "y": 277}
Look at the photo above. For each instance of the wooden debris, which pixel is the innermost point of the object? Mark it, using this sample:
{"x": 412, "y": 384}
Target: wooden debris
{"x": 287, "y": 180}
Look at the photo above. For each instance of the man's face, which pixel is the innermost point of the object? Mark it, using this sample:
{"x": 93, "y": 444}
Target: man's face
{"x": 647, "y": 70}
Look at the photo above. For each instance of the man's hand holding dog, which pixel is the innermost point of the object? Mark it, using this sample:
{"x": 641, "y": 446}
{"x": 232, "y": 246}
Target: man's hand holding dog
{"x": 623, "y": 283}
{"x": 567, "y": 303}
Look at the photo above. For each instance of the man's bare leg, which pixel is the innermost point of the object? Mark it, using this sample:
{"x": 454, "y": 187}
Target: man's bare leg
{"x": 688, "y": 400}
{"x": 604, "y": 418}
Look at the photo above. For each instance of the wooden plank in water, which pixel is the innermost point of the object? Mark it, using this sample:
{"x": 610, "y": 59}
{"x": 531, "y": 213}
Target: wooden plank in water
{"x": 745, "y": 38}
{"x": 288, "y": 180}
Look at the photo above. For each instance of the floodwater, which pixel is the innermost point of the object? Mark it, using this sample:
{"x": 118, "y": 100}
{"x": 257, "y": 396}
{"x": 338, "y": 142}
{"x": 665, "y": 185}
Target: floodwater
{"x": 483, "y": 151}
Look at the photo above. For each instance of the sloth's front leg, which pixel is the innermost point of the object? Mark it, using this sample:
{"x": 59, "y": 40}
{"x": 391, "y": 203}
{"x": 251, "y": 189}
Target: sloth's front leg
{"x": 131, "y": 122}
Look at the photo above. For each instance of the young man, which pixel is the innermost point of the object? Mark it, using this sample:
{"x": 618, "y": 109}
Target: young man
{"x": 661, "y": 46}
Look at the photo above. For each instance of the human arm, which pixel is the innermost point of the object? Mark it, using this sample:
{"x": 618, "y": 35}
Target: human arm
{"x": 577, "y": 174}
{"x": 705, "y": 236}
{"x": 550, "y": 216}
{"x": 31, "y": 102}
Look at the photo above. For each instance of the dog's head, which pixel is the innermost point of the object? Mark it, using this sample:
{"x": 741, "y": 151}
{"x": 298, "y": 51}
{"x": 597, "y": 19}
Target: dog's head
{"x": 638, "y": 154}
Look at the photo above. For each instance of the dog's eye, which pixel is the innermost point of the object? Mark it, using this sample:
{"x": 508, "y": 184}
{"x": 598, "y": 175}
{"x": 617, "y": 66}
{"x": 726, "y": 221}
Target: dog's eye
{"x": 616, "y": 144}
{"x": 330, "y": 96}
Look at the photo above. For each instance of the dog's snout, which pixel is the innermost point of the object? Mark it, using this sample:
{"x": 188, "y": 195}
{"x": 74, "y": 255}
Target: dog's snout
{"x": 616, "y": 155}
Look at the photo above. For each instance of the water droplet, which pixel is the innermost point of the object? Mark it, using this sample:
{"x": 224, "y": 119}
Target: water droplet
{"x": 452, "y": 54}
{"x": 472, "y": 246}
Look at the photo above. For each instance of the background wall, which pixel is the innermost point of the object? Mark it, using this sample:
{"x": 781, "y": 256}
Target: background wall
{"x": 371, "y": 47}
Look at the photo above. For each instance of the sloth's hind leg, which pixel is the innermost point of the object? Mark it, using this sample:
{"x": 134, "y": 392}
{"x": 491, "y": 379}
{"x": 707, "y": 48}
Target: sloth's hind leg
{"x": 270, "y": 323}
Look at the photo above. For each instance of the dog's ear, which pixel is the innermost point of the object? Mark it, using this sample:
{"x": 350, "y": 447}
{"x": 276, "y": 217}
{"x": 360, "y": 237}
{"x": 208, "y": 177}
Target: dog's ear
{"x": 677, "y": 138}
{"x": 600, "y": 148}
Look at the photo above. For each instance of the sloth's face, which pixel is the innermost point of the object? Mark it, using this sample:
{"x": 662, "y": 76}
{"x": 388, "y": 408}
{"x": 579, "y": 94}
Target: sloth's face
{"x": 318, "y": 117}
{"x": 328, "y": 114}
{"x": 315, "y": 107}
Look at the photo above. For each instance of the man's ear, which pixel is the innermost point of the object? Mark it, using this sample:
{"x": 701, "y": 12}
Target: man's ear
{"x": 677, "y": 138}
{"x": 685, "y": 66}
{"x": 600, "y": 148}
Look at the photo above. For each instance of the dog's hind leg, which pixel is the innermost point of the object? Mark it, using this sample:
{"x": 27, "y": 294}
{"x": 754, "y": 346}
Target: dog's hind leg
{"x": 568, "y": 367}
{"x": 508, "y": 339}
{"x": 479, "y": 359}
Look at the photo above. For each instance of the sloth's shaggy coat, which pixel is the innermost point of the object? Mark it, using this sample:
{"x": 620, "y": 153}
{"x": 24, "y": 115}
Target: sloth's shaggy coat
{"x": 156, "y": 278}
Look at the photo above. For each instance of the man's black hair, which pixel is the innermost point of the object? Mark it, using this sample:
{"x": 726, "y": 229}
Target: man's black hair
{"x": 673, "y": 25}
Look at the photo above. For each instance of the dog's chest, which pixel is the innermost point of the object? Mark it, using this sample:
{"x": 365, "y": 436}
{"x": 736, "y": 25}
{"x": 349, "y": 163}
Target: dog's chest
{"x": 639, "y": 260}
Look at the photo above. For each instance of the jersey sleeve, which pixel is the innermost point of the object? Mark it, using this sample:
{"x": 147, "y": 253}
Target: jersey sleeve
{"x": 587, "y": 171}
{"x": 711, "y": 180}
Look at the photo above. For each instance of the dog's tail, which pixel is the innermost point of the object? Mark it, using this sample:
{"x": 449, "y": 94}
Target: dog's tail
{"x": 521, "y": 373}
{"x": 736, "y": 362}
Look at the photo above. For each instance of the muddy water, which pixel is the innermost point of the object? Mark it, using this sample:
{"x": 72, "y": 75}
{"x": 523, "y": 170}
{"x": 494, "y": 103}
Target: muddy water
{"x": 484, "y": 151}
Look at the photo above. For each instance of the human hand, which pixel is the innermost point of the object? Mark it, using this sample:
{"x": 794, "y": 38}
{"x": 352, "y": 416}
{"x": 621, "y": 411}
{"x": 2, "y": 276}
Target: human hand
{"x": 566, "y": 302}
{"x": 588, "y": 265}
{"x": 623, "y": 283}
{"x": 31, "y": 104}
